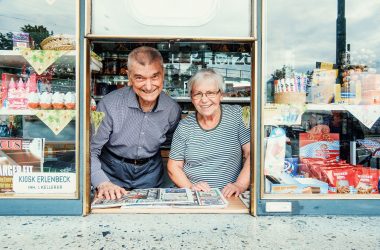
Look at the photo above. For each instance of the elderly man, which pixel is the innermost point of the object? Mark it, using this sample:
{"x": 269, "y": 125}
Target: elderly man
{"x": 125, "y": 150}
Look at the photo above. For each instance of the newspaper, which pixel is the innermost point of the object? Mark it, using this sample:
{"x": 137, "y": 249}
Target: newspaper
{"x": 151, "y": 196}
{"x": 165, "y": 197}
{"x": 211, "y": 199}
{"x": 245, "y": 197}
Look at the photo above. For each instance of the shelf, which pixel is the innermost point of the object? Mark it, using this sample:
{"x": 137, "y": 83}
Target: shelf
{"x": 17, "y": 112}
{"x": 186, "y": 99}
{"x": 325, "y": 107}
{"x": 31, "y": 112}
{"x": 225, "y": 99}
{"x": 321, "y": 107}
{"x": 14, "y": 59}
{"x": 287, "y": 114}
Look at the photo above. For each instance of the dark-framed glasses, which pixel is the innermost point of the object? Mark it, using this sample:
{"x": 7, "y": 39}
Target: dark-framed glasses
{"x": 208, "y": 94}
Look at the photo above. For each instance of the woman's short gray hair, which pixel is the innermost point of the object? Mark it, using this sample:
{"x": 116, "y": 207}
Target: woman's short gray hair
{"x": 204, "y": 74}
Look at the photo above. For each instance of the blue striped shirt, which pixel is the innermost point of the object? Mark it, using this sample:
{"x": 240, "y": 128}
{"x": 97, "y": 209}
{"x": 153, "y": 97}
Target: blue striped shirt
{"x": 129, "y": 132}
{"x": 213, "y": 156}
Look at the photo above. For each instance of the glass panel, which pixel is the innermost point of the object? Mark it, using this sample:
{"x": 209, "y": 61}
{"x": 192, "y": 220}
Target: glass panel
{"x": 200, "y": 18}
{"x": 38, "y": 98}
{"x": 181, "y": 60}
{"x": 321, "y": 98}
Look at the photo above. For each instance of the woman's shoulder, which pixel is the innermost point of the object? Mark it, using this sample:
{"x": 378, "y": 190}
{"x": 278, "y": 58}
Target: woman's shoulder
{"x": 189, "y": 120}
{"x": 231, "y": 110}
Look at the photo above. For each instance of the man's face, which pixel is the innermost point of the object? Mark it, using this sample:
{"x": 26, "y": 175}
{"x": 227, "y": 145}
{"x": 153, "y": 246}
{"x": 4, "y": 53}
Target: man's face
{"x": 147, "y": 81}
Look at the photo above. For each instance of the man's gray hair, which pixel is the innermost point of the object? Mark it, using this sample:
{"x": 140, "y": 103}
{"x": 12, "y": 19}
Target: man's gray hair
{"x": 144, "y": 55}
{"x": 204, "y": 74}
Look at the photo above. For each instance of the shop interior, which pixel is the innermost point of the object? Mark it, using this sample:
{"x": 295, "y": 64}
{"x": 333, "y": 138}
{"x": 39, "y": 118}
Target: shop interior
{"x": 181, "y": 61}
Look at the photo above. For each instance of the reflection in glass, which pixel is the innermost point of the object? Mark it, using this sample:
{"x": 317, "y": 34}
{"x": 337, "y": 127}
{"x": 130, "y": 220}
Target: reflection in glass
{"x": 38, "y": 88}
{"x": 329, "y": 59}
{"x": 181, "y": 61}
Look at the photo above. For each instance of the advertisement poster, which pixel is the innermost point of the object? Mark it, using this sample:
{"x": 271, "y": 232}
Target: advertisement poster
{"x": 18, "y": 155}
{"x": 319, "y": 145}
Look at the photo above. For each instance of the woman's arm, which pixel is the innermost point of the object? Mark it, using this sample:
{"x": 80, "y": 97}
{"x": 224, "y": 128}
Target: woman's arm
{"x": 242, "y": 182}
{"x": 245, "y": 174}
{"x": 178, "y": 176}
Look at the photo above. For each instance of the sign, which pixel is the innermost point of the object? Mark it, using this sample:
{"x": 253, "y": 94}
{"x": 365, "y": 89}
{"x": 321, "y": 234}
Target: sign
{"x": 19, "y": 155}
{"x": 44, "y": 183}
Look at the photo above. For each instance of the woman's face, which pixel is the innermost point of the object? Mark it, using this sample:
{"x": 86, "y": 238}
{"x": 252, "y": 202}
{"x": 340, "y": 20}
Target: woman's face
{"x": 206, "y": 97}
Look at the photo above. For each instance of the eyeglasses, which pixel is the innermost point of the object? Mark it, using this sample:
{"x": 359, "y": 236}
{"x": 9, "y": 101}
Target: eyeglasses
{"x": 208, "y": 94}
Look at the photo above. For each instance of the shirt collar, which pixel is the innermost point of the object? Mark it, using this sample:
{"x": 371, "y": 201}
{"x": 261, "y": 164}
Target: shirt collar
{"x": 133, "y": 102}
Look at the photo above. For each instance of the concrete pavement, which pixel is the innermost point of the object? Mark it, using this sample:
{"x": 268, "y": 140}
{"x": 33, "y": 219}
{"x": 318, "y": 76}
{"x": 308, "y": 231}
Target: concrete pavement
{"x": 189, "y": 231}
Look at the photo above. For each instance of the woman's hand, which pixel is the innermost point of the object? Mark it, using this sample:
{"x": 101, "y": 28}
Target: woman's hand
{"x": 233, "y": 189}
{"x": 201, "y": 186}
{"x": 110, "y": 191}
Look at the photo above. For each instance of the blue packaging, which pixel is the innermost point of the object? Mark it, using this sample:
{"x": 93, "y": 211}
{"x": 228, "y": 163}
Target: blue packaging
{"x": 291, "y": 166}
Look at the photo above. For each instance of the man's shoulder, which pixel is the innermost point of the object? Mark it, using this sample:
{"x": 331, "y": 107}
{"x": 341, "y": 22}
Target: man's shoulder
{"x": 115, "y": 97}
{"x": 116, "y": 94}
{"x": 167, "y": 101}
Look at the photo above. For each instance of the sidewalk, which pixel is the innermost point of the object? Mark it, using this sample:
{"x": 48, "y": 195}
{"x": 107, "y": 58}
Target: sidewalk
{"x": 168, "y": 231}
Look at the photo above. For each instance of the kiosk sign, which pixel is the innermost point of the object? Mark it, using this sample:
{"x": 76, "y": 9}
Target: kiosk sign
{"x": 52, "y": 183}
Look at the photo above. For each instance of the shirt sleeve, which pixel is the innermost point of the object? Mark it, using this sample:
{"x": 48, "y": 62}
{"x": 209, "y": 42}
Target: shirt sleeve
{"x": 174, "y": 119}
{"x": 244, "y": 129}
{"x": 98, "y": 140}
{"x": 177, "y": 150}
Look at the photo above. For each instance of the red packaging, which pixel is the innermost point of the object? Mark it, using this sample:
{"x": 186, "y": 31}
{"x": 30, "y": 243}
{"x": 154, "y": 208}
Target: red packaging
{"x": 366, "y": 181}
{"x": 340, "y": 178}
{"x": 16, "y": 101}
{"x": 324, "y": 146}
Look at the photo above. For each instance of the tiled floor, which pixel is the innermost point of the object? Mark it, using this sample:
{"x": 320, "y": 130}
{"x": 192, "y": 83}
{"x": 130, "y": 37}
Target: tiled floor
{"x": 168, "y": 231}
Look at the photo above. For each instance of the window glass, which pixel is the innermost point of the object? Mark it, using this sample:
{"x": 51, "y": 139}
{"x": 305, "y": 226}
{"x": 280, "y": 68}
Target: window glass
{"x": 321, "y": 97}
{"x": 181, "y": 61}
{"x": 38, "y": 98}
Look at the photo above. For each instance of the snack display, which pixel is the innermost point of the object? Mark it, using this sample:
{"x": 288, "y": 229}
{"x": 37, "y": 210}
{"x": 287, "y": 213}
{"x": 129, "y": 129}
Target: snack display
{"x": 33, "y": 101}
{"x": 69, "y": 100}
{"x": 45, "y": 100}
{"x": 58, "y": 100}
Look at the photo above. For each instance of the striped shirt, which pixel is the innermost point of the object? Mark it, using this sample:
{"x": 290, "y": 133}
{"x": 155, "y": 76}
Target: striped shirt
{"x": 129, "y": 132}
{"x": 213, "y": 156}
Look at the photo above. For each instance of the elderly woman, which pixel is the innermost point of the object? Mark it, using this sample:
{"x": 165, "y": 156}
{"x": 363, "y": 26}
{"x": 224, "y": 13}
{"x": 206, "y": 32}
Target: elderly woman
{"x": 211, "y": 148}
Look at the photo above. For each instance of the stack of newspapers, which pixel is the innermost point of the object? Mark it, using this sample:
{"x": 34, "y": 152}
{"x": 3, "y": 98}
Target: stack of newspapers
{"x": 165, "y": 197}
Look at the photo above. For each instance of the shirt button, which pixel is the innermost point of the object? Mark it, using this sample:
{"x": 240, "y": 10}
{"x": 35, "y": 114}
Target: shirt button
{"x": 142, "y": 133}
{"x": 139, "y": 147}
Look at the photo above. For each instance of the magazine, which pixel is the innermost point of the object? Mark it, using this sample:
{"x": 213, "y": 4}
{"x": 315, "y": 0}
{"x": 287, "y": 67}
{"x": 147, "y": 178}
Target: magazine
{"x": 151, "y": 196}
{"x": 165, "y": 197}
{"x": 245, "y": 197}
{"x": 211, "y": 199}
{"x": 19, "y": 155}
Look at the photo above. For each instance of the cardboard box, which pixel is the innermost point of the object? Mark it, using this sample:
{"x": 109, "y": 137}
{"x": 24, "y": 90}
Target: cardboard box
{"x": 285, "y": 184}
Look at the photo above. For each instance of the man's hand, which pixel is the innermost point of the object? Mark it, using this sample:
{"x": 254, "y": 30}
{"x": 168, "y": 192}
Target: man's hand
{"x": 110, "y": 191}
{"x": 233, "y": 188}
{"x": 201, "y": 186}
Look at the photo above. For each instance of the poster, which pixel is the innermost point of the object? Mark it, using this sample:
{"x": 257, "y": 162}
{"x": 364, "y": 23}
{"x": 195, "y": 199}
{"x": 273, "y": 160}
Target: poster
{"x": 19, "y": 155}
{"x": 323, "y": 145}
